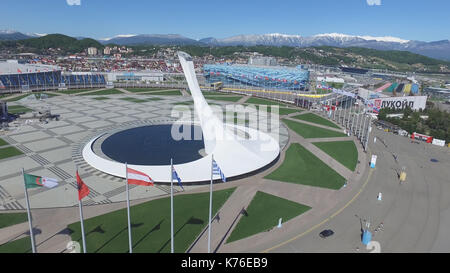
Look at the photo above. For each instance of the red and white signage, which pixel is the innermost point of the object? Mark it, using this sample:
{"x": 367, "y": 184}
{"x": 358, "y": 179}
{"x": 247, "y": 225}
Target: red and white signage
{"x": 428, "y": 139}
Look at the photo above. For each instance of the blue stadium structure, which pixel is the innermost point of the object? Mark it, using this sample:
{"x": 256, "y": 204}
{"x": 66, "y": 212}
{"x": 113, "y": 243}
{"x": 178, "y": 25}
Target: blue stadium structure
{"x": 49, "y": 80}
{"x": 268, "y": 78}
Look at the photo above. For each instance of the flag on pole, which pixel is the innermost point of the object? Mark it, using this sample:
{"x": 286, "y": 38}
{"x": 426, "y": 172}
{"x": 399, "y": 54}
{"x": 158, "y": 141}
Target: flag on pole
{"x": 83, "y": 190}
{"x": 32, "y": 181}
{"x": 218, "y": 171}
{"x": 175, "y": 176}
{"x": 139, "y": 178}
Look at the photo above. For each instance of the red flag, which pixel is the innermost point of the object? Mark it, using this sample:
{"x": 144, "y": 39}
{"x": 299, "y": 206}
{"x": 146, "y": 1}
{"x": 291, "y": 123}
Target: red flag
{"x": 139, "y": 178}
{"x": 83, "y": 190}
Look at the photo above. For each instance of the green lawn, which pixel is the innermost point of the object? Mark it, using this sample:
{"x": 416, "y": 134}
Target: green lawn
{"x": 323, "y": 91}
{"x": 104, "y": 92}
{"x": 134, "y": 100}
{"x": 18, "y": 246}
{"x": 185, "y": 103}
{"x": 75, "y": 91}
{"x": 344, "y": 152}
{"x": 9, "y": 152}
{"x": 153, "y": 99}
{"x": 101, "y": 98}
{"x": 210, "y": 93}
{"x": 17, "y": 109}
{"x": 151, "y": 225}
{"x": 166, "y": 93}
{"x": 3, "y": 143}
{"x": 309, "y": 131}
{"x": 316, "y": 119}
{"x": 263, "y": 213}
{"x": 287, "y": 111}
{"x": 29, "y": 94}
{"x": 264, "y": 102}
{"x": 223, "y": 98}
{"x": 18, "y": 98}
{"x": 302, "y": 167}
{"x": 140, "y": 90}
{"x": 11, "y": 219}
{"x": 2, "y": 96}
{"x": 281, "y": 110}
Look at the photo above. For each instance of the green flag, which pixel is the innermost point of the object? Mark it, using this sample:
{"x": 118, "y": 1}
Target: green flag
{"x": 32, "y": 181}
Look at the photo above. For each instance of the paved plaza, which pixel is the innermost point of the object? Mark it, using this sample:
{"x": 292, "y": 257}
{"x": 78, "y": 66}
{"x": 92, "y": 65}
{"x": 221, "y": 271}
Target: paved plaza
{"x": 415, "y": 214}
{"x": 54, "y": 149}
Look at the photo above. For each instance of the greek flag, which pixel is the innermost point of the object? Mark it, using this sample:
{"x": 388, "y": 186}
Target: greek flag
{"x": 218, "y": 171}
{"x": 176, "y": 177}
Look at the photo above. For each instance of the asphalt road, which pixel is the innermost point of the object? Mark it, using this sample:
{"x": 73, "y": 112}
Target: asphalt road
{"x": 415, "y": 214}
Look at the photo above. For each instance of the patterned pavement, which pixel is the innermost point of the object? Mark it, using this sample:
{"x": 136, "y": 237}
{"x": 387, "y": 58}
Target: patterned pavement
{"x": 54, "y": 149}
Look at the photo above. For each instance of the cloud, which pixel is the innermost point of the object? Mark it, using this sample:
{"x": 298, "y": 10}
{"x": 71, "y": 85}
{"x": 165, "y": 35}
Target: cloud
{"x": 73, "y": 2}
{"x": 374, "y": 2}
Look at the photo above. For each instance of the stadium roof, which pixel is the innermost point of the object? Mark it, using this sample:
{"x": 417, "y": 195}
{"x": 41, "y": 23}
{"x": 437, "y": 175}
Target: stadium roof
{"x": 13, "y": 67}
{"x": 259, "y": 73}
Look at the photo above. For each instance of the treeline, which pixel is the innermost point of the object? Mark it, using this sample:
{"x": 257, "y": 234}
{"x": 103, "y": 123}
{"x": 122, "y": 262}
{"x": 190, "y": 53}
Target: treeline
{"x": 403, "y": 57}
{"x": 336, "y": 56}
{"x": 437, "y": 124}
{"x": 281, "y": 52}
{"x": 67, "y": 44}
{"x": 323, "y": 55}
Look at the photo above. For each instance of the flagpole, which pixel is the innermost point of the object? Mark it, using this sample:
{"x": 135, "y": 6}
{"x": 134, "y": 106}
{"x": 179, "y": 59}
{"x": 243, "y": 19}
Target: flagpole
{"x": 210, "y": 206}
{"x": 128, "y": 210}
{"x": 80, "y": 205}
{"x": 171, "y": 206}
{"x": 33, "y": 246}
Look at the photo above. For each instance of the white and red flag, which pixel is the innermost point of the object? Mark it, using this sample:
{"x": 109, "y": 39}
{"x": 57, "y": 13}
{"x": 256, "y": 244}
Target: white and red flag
{"x": 139, "y": 178}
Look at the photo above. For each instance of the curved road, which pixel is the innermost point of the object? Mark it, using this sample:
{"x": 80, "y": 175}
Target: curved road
{"x": 415, "y": 215}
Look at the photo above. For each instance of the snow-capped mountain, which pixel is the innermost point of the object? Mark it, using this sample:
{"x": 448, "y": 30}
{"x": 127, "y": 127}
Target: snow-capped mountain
{"x": 276, "y": 39}
{"x": 153, "y": 39}
{"x": 12, "y": 35}
{"x": 438, "y": 50}
{"x": 118, "y": 36}
{"x": 345, "y": 37}
{"x": 273, "y": 39}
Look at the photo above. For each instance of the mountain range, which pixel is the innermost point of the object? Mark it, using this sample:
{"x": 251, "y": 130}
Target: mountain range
{"x": 437, "y": 49}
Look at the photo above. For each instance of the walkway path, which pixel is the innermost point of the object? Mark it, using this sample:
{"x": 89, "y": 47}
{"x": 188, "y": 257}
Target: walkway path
{"x": 53, "y": 222}
{"x": 223, "y": 225}
{"x": 315, "y": 124}
{"x": 243, "y": 100}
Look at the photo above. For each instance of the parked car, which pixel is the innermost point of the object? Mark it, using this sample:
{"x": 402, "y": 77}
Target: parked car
{"x": 326, "y": 233}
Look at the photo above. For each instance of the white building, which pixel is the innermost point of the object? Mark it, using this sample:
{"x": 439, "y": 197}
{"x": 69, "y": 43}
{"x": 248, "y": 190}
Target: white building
{"x": 142, "y": 76}
{"x": 107, "y": 51}
{"x": 263, "y": 61}
{"x": 92, "y": 51}
{"x": 330, "y": 80}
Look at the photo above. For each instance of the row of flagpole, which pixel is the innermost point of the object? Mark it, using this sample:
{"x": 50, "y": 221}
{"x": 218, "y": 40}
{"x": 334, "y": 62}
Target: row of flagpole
{"x": 138, "y": 178}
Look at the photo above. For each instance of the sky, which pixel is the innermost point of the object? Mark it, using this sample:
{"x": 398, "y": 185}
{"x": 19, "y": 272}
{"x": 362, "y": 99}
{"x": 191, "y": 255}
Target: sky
{"x": 407, "y": 19}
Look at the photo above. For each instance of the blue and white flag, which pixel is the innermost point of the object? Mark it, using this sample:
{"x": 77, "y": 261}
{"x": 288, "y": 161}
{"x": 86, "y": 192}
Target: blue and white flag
{"x": 218, "y": 171}
{"x": 175, "y": 176}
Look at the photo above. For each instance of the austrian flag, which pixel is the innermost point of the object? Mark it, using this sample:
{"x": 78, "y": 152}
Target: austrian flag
{"x": 139, "y": 178}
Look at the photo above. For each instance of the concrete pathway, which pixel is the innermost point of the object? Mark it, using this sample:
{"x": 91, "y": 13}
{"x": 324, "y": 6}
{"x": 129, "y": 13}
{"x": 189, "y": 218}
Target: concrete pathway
{"x": 125, "y": 91}
{"x": 221, "y": 229}
{"x": 315, "y": 124}
{"x": 83, "y": 93}
{"x": 185, "y": 93}
{"x": 53, "y": 222}
{"x": 243, "y": 100}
